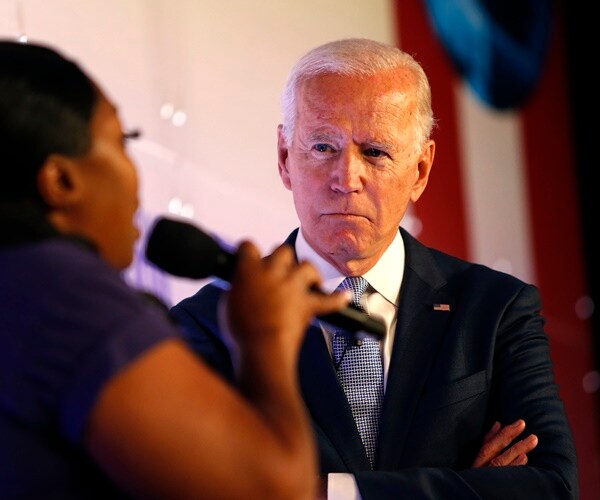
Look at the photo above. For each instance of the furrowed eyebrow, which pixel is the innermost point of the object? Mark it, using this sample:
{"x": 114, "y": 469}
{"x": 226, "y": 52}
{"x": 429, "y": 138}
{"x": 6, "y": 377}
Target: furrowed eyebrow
{"x": 322, "y": 135}
{"x": 385, "y": 146}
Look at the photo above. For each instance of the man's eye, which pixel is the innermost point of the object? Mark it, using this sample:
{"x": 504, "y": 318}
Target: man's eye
{"x": 374, "y": 152}
{"x": 322, "y": 148}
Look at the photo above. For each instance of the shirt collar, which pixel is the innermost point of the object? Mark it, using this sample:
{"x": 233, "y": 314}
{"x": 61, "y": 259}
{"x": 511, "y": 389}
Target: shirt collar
{"x": 385, "y": 276}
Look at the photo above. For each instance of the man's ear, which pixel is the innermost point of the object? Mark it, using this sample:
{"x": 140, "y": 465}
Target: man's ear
{"x": 59, "y": 182}
{"x": 423, "y": 170}
{"x": 282, "y": 158}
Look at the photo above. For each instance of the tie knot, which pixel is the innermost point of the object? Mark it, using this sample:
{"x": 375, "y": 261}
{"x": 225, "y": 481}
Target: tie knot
{"x": 358, "y": 285}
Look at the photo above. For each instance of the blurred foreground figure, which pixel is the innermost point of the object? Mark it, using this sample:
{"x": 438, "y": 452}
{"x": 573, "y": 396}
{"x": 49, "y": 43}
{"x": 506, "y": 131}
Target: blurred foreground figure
{"x": 99, "y": 396}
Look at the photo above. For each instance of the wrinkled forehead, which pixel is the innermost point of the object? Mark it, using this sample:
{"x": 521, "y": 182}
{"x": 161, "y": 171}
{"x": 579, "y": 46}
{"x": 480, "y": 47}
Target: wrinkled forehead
{"x": 374, "y": 101}
{"x": 390, "y": 88}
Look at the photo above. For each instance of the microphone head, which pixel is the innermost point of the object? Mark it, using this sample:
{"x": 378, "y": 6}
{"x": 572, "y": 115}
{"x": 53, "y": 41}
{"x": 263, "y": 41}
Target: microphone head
{"x": 182, "y": 249}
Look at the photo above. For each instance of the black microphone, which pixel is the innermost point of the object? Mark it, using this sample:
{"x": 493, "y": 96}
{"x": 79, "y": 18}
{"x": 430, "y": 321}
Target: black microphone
{"x": 184, "y": 250}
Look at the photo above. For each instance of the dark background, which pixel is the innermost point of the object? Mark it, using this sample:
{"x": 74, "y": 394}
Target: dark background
{"x": 581, "y": 29}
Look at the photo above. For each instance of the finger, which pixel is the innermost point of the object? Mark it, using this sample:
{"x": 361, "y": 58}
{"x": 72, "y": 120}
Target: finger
{"x": 331, "y": 303}
{"x": 492, "y": 432}
{"x": 248, "y": 250}
{"x": 502, "y": 461}
{"x": 508, "y": 433}
{"x": 283, "y": 255}
{"x": 522, "y": 459}
{"x": 322, "y": 302}
{"x": 495, "y": 442}
{"x": 308, "y": 273}
{"x": 247, "y": 255}
{"x": 482, "y": 457}
{"x": 514, "y": 455}
{"x": 523, "y": 446}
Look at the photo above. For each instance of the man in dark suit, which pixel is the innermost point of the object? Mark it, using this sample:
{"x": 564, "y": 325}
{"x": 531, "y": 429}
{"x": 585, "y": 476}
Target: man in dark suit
{"x": 465, "y": 349}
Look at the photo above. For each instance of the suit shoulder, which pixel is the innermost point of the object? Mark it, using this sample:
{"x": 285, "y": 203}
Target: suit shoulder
{"x": 453, "y": 268}
{"x": 202, "y": 306}
{"x": 485, "y": 276}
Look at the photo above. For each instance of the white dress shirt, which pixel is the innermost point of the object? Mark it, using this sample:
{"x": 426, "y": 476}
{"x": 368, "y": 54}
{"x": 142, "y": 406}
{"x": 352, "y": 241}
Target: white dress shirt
{"x": 380, "y": 300}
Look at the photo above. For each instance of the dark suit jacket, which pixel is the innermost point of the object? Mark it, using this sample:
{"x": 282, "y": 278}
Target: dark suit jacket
{"x": 452, "y": 374}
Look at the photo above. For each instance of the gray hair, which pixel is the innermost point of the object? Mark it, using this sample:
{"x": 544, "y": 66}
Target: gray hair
{"x": 357, "y": 57}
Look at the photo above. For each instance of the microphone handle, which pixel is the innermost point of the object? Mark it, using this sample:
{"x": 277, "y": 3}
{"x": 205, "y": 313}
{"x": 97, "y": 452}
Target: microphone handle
{"x": 355, "y": 323}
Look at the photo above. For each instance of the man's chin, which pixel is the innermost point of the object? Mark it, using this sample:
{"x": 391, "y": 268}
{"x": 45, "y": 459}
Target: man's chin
{"x": 344, "y": 247}
{"x": 337, "y": 240}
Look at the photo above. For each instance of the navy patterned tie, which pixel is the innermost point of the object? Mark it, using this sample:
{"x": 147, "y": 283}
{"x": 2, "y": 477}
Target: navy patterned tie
{"x": 360, "y": 370}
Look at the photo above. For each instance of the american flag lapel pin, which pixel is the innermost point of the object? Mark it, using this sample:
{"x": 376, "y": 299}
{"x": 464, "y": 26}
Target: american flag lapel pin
{"x": 441, "y": 307}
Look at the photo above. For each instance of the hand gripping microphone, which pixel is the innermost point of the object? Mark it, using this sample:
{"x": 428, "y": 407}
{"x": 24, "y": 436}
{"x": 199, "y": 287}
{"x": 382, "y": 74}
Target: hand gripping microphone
{"x": 184, "y": 250}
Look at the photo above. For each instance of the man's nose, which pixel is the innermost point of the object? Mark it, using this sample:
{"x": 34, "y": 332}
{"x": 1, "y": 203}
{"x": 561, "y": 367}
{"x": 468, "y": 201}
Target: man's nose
{"x": 348, "y": 172}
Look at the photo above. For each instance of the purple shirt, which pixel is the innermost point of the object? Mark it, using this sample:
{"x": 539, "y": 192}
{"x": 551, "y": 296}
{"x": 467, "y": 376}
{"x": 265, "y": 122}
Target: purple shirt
{"x": 68, "y": 324}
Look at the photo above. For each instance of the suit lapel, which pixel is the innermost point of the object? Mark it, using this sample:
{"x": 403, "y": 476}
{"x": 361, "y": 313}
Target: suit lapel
{"x": 419, "y": 330}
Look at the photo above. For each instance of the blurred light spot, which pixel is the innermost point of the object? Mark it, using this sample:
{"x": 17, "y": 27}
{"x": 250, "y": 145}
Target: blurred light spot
{"x": 178, "y": 207}
{"x": 584, "y": 307}
{"x": 166, "y": 111}
{"x": 22, "y": 38}
{"x": 591, "y": 382}
{"x": 179, "y": 118}
{"x": 187, "y": 210}
{"x": 175, "y": 205}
